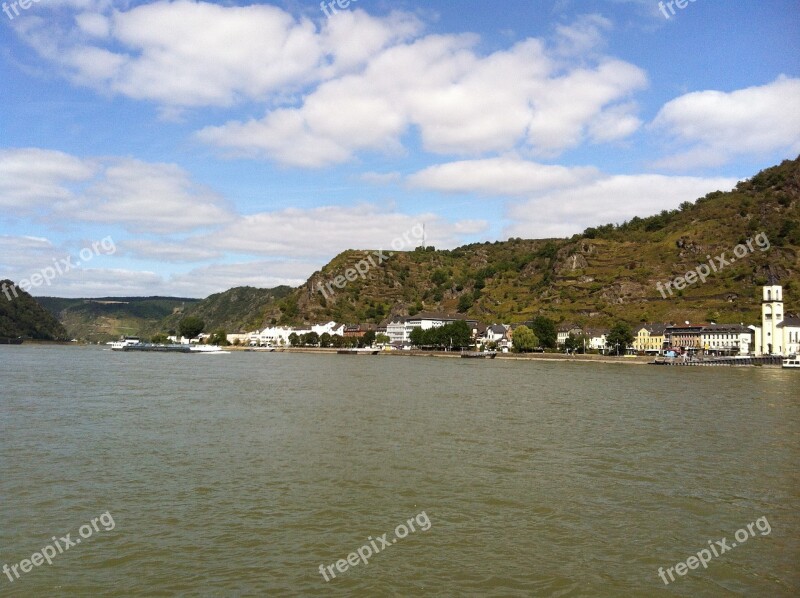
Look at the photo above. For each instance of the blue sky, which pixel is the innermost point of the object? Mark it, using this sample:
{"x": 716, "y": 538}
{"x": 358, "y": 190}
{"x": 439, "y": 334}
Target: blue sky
{"x": 214, "y": 145}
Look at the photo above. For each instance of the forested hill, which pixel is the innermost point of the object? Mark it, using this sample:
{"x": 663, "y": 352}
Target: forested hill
{"x": 608, "y": 273}
{"x": 22, "y": 316}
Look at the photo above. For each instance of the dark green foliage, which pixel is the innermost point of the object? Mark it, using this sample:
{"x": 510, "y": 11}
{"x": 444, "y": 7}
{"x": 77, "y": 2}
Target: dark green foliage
{"x": 191, "y": 326}
{"x": 456, "y": 335}
{"x": 545, "y": 330}
{"x": 369, "y": 338}
{"x": 620, "y": 338}
{"x": 465, "y": 302}
{"x": 219, "y": 338}
{"x": 22, "y": 316}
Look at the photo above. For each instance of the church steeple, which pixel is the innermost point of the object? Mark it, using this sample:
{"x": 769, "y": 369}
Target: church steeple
{"x": 771, "y": 317}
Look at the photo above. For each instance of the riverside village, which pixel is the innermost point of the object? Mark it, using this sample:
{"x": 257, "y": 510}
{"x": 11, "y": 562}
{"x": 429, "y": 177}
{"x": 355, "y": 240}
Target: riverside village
{"x": 774, "y": 341}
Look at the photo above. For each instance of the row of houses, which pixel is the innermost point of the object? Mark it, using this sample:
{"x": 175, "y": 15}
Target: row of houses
{"x": 777, "y": 335}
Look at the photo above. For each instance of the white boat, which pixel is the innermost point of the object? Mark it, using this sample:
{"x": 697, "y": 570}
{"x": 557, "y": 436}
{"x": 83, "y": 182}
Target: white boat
{"x": 792, "y": 363}
{"x": 125, "y": 342}
{"x": 208, "y": 349}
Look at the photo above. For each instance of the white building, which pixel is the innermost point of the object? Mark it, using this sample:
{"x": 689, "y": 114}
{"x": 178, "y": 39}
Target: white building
{"x": 597, "y": 338}
{"x": 563, "y": 332}
{"x": 498, "y": 334}
{"x": 726, "y": 339}
{"x": 397, "y": 332}
{"x": 278, "y": 336}
{"x": 777, "y": 335}
{"x": 399, "y": 328}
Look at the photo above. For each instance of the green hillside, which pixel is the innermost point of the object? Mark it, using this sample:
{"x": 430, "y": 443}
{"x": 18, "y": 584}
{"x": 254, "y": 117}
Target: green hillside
{"x": 103, "y": 319}
{"x": 241, "y": 308}
{"x": 607, "y": 273}
{"x": 22, "y": 316}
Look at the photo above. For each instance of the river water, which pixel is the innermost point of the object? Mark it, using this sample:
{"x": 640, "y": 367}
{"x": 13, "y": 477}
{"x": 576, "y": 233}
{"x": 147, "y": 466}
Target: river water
{"x": 248, "y": 474}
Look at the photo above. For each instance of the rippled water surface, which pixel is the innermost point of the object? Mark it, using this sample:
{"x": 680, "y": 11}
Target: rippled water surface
{"x": 241, "y": 474}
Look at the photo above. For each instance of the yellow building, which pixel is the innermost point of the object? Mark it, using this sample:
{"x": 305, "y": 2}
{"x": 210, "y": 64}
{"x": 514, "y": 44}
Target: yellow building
{"x": 649, "y": 338}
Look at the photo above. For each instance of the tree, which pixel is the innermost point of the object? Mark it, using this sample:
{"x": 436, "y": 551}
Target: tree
{"x": 294, "y": 340}
{"x": 524, "y": 340}
{"x": 219, "y": 338}
{"x": 160, "y": 339}
{"x": 545, "y": 330}
{"x": 325, "y": 340}
{"x": 465, "y": 302}
{"x": 576, "y": 344}
{"x": 458, "y": 334}
{"x": 369, "y": 338}
{"x": 382, "y": 339}
{"x": 191, "y": 326}
{"x": 620, "y": 338}
{"x": 417, "y": 337}
{"x": 311, "y": 339}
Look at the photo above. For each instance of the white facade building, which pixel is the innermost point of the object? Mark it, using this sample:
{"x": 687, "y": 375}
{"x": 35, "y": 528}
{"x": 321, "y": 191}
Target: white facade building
{"x": 777, "y": 335}
{"x": 399, "y": 329}
{"x": 723, "y": 339}
{"x": 597, "y": 339}
{"x": 278, "y": 336}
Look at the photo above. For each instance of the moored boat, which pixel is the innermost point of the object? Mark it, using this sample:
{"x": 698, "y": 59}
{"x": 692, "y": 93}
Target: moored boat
{"x": 478, "y": 354}
{"x": 208, "y": 349}
{"x": 126, "y": 341}
{"x": 4, "y": 340}
{"x": 363, "y": 351}
{"x": 150, "y": 348}
{"x": 792, "y": 363}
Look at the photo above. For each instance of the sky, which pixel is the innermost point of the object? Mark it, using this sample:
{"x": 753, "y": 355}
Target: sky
{"x": 184, "y": 148}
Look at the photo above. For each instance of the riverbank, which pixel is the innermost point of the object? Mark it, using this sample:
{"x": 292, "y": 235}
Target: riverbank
{"x": 629, "y": 360}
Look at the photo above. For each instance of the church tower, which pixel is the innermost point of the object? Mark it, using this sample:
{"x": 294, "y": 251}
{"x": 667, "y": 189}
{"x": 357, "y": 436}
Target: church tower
{"x": 771, "y": 316}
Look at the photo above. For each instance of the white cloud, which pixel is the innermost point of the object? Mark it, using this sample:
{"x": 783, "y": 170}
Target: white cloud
{"x": 611, "y": 199}
{"x": 585, "y": 35}
{"x": 324, "y": 232}
{"x": 21, "y": 254}
{"x": 31, "y": 178}
{"x": 499, "y": 176}
{"x": 165, "y": 251}
{"x": 715, "y": 127}
{"x": 146, "y": 197}
{"x": 141, "y": 196}
{"x": 327, "y": 99}
{"x": 461, "y": 103}
{"x": 192, "y": 54}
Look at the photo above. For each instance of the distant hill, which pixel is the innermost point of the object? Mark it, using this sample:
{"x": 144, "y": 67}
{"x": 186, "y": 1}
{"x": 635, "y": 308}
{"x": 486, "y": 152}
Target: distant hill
{"x": 240, "y": 308}
{"x": 22, "y": 316}
{"x": 103, "y": 319}
{"x": 606, "y": 274}
{"x": 107, "y": 318}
